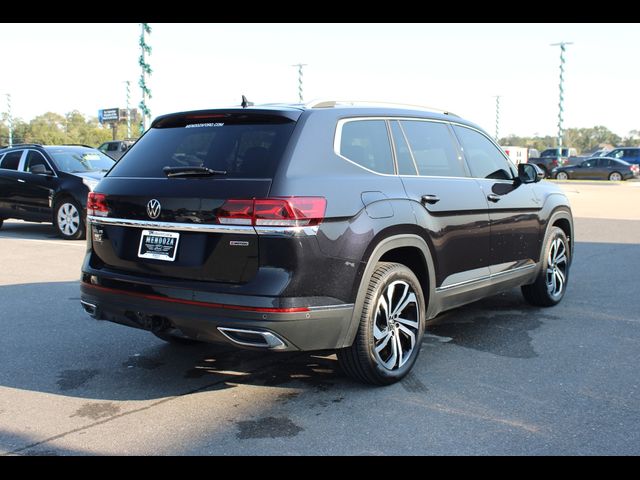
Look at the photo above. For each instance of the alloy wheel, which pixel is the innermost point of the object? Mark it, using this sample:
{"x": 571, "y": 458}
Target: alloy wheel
{"x": 556, "y": 268}
{"x": 68, "y": 219}
{"x": 396, "y": 325}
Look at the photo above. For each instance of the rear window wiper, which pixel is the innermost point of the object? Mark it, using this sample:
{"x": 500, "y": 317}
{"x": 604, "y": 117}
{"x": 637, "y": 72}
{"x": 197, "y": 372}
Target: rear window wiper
{"x": 192, "y": 172}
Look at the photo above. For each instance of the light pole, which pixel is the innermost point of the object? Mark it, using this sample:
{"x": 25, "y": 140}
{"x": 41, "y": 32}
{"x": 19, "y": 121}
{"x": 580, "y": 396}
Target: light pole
{"x": 10, "y": 119}
{"x": 562, "y": 46}
{"x": 146, "y": 70}
{"x": 299, "y": 65}
{"x": 128, "y": 83}
{"x": 497, "y": 116}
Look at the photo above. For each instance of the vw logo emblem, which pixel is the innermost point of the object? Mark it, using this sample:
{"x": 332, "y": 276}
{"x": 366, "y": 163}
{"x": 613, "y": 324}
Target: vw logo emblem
{"x": 153, "y": 209}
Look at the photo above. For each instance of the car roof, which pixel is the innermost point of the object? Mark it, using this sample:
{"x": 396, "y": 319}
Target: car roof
{"x": 294, "y": 111}
{"x": 608, "y": 158}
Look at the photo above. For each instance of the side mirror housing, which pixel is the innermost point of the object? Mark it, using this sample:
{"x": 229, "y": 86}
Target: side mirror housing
{"x": 529, "y": 173}
{"x": 40, "y": 170}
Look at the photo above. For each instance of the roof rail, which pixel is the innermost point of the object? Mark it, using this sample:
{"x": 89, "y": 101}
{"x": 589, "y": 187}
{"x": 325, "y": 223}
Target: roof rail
{"x": 23, "y": 145}
{"x": 75, "y": 145}
{"x": 324, "y": 103}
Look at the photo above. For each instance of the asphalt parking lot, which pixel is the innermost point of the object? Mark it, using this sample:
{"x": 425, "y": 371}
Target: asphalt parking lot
{"x": 494, "y": 377}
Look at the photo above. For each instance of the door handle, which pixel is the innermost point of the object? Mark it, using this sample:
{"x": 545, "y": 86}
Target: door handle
{"x": 21, "y": 180}
{"x": 493, "y": 197}
{"x": 430, "y": 199}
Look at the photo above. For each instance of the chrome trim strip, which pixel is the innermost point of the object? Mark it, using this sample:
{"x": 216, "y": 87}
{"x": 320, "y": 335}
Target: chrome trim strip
{"x": 188, "y": 227}
{"x": 513, "y": 270}
{"x": 287, "y": 231}
{"x": 337, "y": 139}
{"x": 332, "y": 307}
{"x": 273, "y": 341}
{"x": 207, "y": 228}
{"x": 485, "y": 278}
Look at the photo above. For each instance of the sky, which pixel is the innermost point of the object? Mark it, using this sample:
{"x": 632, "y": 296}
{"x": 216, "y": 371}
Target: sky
{"x": 455, "y": 67}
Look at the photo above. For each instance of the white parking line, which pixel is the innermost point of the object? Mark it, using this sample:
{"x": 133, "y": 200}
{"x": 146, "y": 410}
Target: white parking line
{"x": 57, "y": 242}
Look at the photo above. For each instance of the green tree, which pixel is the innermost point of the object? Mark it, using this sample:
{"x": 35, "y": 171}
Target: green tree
{"x": 48, "y": 129}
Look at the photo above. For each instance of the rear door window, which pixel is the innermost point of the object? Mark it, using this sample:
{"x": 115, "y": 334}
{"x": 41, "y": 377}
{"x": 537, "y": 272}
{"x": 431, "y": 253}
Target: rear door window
{"x": 433, "y": 149}
{"x": 366, "y": 142}
{"x": 242, "y": 150}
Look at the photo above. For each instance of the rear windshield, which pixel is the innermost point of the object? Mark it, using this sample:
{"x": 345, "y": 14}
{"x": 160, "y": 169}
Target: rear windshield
{"x": 243, "y": 150}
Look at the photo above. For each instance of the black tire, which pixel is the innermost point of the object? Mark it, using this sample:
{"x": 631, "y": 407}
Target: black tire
{"x": 613, "y": 178}
{"x": 541, "y": 293}
{"x": 562, "y": 176}
{"x": 68, "y": 219}
{"x": 360, "y": 361}
{"x": 1, "y": 222}
{"x": 175, "y": 339}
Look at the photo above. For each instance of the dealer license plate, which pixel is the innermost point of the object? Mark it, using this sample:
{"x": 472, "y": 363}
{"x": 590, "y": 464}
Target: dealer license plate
{"x": 158, "y": 245}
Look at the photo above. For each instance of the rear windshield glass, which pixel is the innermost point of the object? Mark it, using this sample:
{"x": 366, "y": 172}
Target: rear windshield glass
{"x": 244, "y": 150}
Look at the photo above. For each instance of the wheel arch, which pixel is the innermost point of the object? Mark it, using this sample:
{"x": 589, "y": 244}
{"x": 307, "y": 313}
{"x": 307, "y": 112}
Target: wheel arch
{"x": 401, "y": 248}
{"x": 561, "y": 217}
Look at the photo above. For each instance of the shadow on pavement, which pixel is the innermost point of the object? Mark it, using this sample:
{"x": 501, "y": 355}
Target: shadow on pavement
{"x": 28, "y": 230}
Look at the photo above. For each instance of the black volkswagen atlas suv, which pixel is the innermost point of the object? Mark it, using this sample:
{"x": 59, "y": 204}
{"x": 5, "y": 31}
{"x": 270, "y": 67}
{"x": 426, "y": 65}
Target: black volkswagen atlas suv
{"x": 324, "y": 226}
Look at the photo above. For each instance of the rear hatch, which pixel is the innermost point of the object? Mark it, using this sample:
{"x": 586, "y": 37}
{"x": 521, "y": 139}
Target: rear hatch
{"x": 170, "y": 206}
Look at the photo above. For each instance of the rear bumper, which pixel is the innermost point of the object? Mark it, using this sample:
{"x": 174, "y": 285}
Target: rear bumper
{"x": 294, "y": 328}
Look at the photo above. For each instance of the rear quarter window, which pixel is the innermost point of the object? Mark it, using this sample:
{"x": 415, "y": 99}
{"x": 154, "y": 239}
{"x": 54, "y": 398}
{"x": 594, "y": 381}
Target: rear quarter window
{"x": 242, "y": 150}
{"x": 11, "y": 160}
{"x": 366, "y": 143}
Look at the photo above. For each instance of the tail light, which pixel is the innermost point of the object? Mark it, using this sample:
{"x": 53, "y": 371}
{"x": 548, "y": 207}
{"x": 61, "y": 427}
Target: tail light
{"x": 97, "y": 204}
{"x": 276, "y": 212}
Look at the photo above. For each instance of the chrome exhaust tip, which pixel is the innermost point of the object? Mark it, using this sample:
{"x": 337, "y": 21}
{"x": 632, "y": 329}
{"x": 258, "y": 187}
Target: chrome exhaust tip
{"x": 253, "y": 338}
{"x": 90, "y": 308}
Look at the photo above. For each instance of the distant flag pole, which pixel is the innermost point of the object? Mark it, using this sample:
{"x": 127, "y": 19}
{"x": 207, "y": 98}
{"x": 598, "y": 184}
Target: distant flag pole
{"x": 562, "y": 46}
{"x": 10, "y": 119}
{"x": 128, "y": 83}
{"x": 300, "y": 65}
{"x": 145, "y": 71}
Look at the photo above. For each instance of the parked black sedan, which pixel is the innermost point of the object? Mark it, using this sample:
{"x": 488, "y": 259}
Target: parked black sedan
{"x": 50, "y": 184}
{"x": 597, "y": 168}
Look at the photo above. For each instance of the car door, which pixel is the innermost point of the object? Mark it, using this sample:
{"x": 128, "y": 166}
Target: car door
{"x": 35, "y": 190}
{"x": 584, "y": 170}
{"x": 449, "y": 206}
{"x": 603, "y": 169}
{"x": 513, "y": 207}
{"x": 9, "y": 183}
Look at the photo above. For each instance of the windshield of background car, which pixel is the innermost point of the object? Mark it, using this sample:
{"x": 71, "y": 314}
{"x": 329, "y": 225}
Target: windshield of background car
{"x": 243, "y": 148}
{"x": 78, "y": 161}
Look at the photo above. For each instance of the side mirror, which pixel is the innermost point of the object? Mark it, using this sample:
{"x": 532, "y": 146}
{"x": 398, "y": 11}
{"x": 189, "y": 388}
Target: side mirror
{"x": 529, "y": 173}
{"x": 40, "y": 169}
